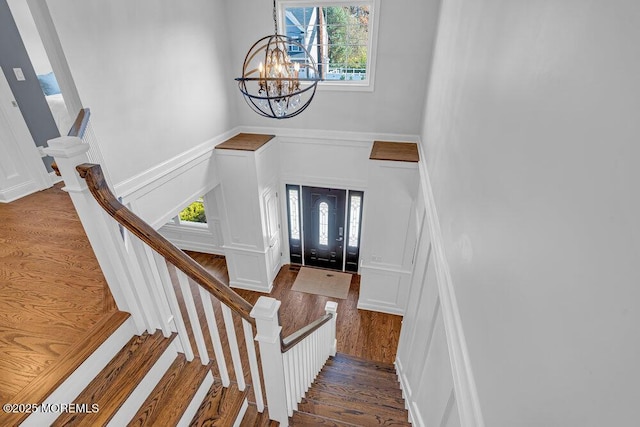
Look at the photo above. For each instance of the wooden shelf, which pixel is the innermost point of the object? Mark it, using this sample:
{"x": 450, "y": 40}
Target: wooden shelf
{"x": 245, "y": 142}
{"x": 395, "y": 151}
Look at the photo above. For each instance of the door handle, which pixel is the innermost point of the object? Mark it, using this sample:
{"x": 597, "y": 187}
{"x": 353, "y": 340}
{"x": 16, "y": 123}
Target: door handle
{"x": 339, "y": 239}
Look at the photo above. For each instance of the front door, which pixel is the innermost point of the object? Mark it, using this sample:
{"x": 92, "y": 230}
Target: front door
{"x": 323, "y": 224}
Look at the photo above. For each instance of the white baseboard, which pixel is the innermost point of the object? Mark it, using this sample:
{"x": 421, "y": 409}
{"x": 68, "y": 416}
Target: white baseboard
{"x": 251, "y": 286}
{"x": 414, "y": 415}
{"x": 16, "y": 192}
{"x": 381, "y": 308}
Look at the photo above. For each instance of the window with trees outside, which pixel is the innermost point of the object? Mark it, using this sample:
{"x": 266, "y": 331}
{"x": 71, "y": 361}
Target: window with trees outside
{"x": 339, "y": 36}
{"x": 194, "y": 213}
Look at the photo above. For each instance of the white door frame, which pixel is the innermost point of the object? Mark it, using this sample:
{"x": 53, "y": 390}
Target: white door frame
{"x": 28, "y": 163}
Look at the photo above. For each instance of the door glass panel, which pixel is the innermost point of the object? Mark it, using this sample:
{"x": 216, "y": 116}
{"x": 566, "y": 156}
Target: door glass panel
{"x": 294, "y": 214}
{"x": 323, "y": 222}
{"x": 354, "y": 220}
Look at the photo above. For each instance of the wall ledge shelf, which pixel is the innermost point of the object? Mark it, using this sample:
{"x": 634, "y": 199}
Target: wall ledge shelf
{"x": 245, "y": 142}
{"x": 395, "y": 151}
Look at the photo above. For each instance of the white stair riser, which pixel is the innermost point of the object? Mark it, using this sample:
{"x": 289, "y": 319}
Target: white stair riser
{"x": 81, "y": 377}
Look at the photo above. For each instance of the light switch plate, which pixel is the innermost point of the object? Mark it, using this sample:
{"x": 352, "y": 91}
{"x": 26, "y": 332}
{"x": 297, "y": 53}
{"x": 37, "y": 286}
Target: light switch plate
{"x": 19, "y": 74}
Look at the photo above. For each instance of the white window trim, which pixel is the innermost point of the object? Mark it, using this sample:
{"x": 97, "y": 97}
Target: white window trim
{"x": 341, "y": 85}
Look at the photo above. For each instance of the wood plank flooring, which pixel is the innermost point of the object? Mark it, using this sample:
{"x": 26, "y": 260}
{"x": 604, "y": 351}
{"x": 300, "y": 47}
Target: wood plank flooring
{"x": 51, "y": 287}
{"x": 365, "y": 334}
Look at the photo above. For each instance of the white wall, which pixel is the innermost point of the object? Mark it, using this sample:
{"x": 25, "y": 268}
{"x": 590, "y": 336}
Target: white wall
{"x": 154, "y": 73}
{"x": 531, "y": 135}
{"x": 406, "y": 32}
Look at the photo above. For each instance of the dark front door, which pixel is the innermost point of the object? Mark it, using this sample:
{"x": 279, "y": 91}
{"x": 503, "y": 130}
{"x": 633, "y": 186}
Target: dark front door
{"x": 323, "y": 223}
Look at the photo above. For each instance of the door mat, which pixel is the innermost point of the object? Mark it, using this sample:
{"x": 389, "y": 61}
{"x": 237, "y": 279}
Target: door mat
{"x": 322, "y": 282}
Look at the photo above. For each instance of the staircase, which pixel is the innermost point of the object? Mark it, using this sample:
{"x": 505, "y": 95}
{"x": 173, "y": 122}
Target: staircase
{"x": 165, "y": 376}
{"x": 353, "y": 392}
{"x": 149, "y": 383}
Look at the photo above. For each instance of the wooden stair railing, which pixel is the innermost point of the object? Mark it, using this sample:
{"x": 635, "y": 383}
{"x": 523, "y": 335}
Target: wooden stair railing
{"x": 105, "y": 198}
{"x": 289, "y": 342}
{"x": 300, "y": 356}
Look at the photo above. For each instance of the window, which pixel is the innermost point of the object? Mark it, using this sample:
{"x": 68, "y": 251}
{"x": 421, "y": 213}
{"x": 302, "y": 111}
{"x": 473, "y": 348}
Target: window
{"x": 323, "y": 223}
{"x": 294, "y": 213}
{"x": 355, "y": 201}
{"x": 339, "y": 36}
{"x": 194, "y": 213}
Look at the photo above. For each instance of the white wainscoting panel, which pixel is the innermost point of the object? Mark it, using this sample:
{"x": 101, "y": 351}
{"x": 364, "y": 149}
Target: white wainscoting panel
{"x": 206, "y": 239}
{"x": 247, "y": 269}
{"x": 383, "y": 290}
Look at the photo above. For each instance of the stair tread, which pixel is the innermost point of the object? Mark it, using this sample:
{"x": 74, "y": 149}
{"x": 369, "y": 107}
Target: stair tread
{"x": 353, "y": 360}
{"x": 220, "y": 406}
{"x": 118, "y": 379}
{"x": 305, "y": 419}
{"x": 370, "y": 371}
{"x": 253, "y": 418}
{"x": 372, "y": 405}
{"x": 353, "y": 392}
{"x": 349, "y": 415}
{"x": 391, "y": 388}
{"x": 169, "y": 399}
{"x": 55, "y": 374}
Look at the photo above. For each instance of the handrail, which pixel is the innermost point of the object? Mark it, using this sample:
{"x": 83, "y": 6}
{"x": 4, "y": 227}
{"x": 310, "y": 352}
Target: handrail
{"x": 80, "y": 124}
{"x": 289, "y": 342}
{"x": 94, "y": 177}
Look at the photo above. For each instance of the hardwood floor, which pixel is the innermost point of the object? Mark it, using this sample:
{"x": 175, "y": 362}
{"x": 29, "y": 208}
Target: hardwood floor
{"x": 52, "y": 288}
{"x": 366, "y": 334}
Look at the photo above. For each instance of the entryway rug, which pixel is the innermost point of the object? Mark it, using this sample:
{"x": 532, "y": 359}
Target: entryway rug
{"x": 322, "y": 282}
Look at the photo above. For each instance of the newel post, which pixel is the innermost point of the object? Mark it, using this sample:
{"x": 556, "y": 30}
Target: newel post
{"x": 104, "y": 236}
{"x": 332, "y": 308}
{"x": 265, "y": 311}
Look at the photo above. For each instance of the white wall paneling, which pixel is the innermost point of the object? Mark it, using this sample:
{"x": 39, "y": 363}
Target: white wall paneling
{"x": 387, "y": 254}
{"x": 248, "y": 180}
{"x": 206, "y": 239}
{"x": 175, "y": 186}
{"x": 383, "y": 290}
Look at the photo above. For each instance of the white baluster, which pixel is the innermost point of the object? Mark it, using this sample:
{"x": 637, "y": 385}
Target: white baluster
{"x": 265, "y": 311}
{"x": 190, "y": 305}
{"x": 287, "y": 382}
{"x": 307, "y": 364}
{"x": 253, "y": 365}
{"x": 332, "y": 308}
{"x": 299, "y": 373}
{"x": 102, "y": 233}
{"x": 149, "y": 270}
{"x": 215, "y": 336}
{"x": 172, "y": 299}
{"x": 233, "y": 346}
{"x": 316, "y": 359}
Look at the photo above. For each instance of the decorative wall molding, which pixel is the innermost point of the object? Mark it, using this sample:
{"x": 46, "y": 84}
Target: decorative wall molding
{"x": 190, "y": 238}
{"x": 329, "y": 135}
{"x": 463, "y": 380}
{"x": 415, "y": 418}
{"x": 156, "y": 175}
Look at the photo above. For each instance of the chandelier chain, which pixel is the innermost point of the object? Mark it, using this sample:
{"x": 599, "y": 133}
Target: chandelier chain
{"x": 275, "y": 18}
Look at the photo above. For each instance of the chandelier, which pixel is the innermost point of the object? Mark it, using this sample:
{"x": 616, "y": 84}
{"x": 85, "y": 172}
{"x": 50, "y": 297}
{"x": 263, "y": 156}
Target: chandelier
{"x": 273, "y": 84}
